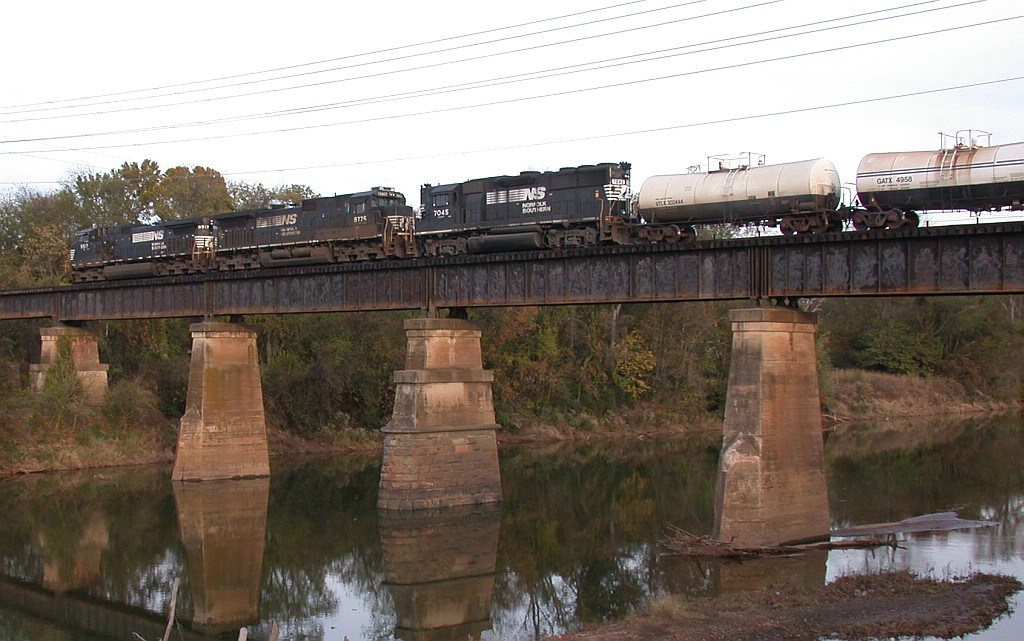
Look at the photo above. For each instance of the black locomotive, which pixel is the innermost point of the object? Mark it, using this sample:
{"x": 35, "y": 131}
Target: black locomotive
{"x": 367, "y": 225}
{"x": 572, "y": 206}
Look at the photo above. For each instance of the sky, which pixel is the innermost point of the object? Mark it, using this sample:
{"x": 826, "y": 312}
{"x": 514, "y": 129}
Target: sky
{"x": 342, "y": 96}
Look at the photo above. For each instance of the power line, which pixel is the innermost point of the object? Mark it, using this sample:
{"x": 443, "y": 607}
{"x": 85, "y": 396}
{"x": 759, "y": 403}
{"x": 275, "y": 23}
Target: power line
{"x": 621, "y": 134}
{"x": 521, "y": 98}
{"x": 597, "y": 65}
{"x": 638, "y": 132}
{"x": 447, "y": 49}
{"x": 397, "y": 71}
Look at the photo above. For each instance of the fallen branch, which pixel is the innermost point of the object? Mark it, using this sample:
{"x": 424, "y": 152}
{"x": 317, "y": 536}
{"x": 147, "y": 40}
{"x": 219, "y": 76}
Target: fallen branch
{"x": 683, "y": 543}
{"x": 172, "y": 606}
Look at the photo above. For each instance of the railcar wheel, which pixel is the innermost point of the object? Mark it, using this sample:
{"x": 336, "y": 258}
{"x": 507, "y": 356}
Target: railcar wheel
{"x": 911, "y": 219}
{"x": 817, "y": 225}
{"x": 894, "y": 219}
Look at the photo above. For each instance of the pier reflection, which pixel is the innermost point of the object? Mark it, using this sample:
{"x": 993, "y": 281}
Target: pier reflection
{"x": 223, "y": 526}
{"x": 808, "y": 570}
{"x": 79, "y": 567}
{"x": 440, "y": 570}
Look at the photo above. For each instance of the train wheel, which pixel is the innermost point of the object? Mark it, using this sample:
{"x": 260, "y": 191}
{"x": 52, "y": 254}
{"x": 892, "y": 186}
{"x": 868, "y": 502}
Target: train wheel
{"x": 786, "y": 228}
{"x": 911, "y": 219}
{"x": 834, "y": 225}
{"x": 817, "y": 225}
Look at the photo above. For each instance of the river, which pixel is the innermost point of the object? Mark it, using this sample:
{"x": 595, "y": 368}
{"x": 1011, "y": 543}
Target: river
{"x": 94, "y": 555}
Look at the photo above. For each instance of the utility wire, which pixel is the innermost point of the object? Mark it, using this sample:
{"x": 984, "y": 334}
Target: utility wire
{"x": 622, "y": 134}
{"x": 445, "y": 63}
{"x": 639, "y": 132}
{"x": 598, "y": 65}
{"x": 517, "y": 99}
{"x": 399, "y": 71}
{"x": 403, "y": 57}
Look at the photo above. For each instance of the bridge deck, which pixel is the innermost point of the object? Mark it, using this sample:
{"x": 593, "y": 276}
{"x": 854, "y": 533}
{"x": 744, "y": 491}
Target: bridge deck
{"x": 972, "y": 259}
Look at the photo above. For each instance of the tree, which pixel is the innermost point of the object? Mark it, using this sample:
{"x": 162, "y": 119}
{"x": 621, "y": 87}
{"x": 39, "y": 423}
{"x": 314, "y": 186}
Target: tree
{"x": 256, "y": 196}
{"x": 125, "y": 195}
{"x": 35, "y": 231}
{"x": 190, "y": 193}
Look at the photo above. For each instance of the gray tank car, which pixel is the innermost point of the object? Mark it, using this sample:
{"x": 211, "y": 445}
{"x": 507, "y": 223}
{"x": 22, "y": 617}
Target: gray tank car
{"x": 964, "y": 176}
{"x": 799, "y": 197}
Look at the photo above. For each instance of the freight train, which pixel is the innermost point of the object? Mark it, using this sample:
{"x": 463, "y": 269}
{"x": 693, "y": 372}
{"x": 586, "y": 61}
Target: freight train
{"x": 571, "y": 207}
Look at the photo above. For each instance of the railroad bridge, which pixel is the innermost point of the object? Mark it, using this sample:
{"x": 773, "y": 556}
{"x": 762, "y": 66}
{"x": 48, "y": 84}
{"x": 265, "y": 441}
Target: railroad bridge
{"x": 440, "y": 446}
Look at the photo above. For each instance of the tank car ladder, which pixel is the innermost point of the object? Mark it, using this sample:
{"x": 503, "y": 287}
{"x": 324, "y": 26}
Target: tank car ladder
{"x": 947, "y": 163}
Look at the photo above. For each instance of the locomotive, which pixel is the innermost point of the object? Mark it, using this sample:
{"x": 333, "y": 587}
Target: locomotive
{"x": 570, "y": 207}
{"x": 367, "y": 225}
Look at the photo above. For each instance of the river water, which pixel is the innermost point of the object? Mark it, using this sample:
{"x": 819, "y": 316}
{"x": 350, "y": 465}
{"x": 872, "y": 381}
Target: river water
{"x": 94, "y": 556}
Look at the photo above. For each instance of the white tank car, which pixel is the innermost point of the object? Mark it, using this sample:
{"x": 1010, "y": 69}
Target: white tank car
{"x": 961, "y": 177}
{"x": 749, "y": 194}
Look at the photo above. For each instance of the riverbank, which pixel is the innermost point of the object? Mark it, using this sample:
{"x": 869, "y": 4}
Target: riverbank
{"x": 848, "y": 397}
{"x": 869, "y": 606}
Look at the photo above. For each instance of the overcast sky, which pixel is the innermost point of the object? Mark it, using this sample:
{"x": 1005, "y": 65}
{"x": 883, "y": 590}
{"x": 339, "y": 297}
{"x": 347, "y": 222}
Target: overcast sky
{"x": 346, "y": 95}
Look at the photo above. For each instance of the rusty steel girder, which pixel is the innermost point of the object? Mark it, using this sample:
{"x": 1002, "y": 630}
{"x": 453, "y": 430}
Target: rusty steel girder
{"x": 977, "y": 259}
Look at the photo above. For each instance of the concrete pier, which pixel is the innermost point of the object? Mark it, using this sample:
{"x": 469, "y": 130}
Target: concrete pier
{"x": 85, "y": 360}
{"x": 771, "y": 479}
{"x": 223, "y": 433}
{"x": 439, "y": 567}
{"x": 223, "y": 527}
{"x": 440, "y": 448}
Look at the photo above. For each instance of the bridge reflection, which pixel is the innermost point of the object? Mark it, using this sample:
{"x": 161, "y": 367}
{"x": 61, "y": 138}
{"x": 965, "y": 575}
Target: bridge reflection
{"x": 223, "y": 526}
{"x": 439, "y": 569}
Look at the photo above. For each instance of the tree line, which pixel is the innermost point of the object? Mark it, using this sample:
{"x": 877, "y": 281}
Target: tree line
{"x": 325, "y": 374}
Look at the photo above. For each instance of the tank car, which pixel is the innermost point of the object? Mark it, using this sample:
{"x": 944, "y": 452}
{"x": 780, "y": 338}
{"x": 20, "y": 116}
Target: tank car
{"x": 963, "y": 176}
{"x": 573, "y": 206}
{"x": 797, "y": 196}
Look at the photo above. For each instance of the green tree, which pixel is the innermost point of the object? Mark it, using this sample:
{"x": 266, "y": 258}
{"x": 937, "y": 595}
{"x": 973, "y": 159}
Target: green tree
{"x": 257, "y": 196}
{"x": 128, "y": 194}
{"x": 190, "y": 193}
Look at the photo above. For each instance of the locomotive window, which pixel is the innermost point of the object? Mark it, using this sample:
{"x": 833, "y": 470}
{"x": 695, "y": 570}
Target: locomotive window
{"x": 359, "y": 208}
{"x": 439, "y": 200}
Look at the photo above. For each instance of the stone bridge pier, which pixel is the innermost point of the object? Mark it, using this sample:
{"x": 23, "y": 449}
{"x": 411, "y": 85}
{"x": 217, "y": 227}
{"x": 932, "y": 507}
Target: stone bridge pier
{"x": 85, "y": 360}
{"x": 223, "y": 433}
{"x": 440, "y": 448}
{"x": 771, "y": 478}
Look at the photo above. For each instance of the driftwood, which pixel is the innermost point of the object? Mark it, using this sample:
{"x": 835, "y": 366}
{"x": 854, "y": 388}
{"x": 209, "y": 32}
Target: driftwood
{"x": 243, "y": 633}
{"x": 683, "y": 543}
{"x": 172, "y": 606}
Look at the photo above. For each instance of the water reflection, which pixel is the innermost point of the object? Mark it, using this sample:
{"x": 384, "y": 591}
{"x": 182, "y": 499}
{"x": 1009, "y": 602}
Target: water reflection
{"x": 78, "y": 567}
{"x": 439, "y": 568}
{"x": 576, "y": 541}
{"x": 223, "y": 527}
